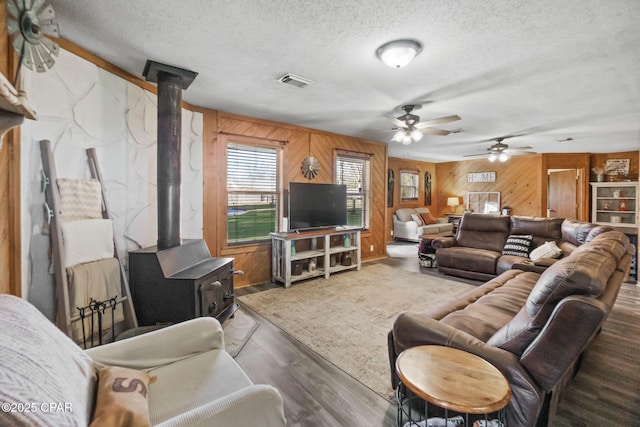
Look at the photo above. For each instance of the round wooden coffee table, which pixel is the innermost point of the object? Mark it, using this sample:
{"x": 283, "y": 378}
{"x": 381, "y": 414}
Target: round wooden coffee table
{"x": 451, "y": 379}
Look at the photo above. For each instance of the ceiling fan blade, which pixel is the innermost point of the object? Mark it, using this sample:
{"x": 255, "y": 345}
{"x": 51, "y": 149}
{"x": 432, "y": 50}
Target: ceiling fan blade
{"x": 396, "y": 122}
{"x": 474, "y": 155}
{"x": 384, "y": 130}
{"x": 519, "y": 153}
{"x": 434, "y": 122}
{"x": 512, "y": 149}
{"x": 512, "y": 135}
{"x": 435, "y": 131}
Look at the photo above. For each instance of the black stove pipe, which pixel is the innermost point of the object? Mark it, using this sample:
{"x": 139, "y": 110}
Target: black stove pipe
{"x": 171, "y": 81}
{"x": 169, "y": 148}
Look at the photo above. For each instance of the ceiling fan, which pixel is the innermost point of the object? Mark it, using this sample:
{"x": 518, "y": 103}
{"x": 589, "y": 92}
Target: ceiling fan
{"x": 500, "y": 151}
{"x": 410, "y": 128}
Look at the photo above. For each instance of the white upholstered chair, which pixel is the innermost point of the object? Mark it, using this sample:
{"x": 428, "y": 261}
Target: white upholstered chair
{"x": 408, "y": 224}
{"x": 196, "y": 383}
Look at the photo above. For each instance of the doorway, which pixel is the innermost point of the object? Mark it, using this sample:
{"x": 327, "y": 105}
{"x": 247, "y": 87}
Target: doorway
{"x": 564, "y": 199}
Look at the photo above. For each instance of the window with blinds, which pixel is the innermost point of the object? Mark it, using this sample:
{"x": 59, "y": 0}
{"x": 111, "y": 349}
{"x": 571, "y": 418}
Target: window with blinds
{"x": 409, "y": 182}
{"x": 354, "y": 173}
{"x": 252, "y": 192}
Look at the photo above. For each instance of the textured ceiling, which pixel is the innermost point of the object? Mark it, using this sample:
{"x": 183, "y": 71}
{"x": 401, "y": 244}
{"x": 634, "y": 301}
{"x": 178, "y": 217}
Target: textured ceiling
{"x": 546, "y": 70}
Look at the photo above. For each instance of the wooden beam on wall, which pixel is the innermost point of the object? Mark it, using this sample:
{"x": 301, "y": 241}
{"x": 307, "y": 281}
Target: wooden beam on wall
{"x": 10, "y": 249}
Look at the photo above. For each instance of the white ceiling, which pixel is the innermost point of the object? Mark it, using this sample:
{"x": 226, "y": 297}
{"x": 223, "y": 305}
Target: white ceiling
{"x": 546, "y": 69}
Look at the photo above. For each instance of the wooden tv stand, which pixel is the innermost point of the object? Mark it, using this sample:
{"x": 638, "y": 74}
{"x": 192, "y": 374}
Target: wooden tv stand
{"x": 319, "y": 246}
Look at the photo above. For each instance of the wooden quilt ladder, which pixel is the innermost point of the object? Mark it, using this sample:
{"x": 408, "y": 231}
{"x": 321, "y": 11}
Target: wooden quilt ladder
{"x": 64, "y": 317}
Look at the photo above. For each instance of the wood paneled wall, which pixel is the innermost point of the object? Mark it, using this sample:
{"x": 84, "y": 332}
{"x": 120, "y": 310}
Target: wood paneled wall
{"x": 10, "y": 252}
{"x": 298, "y": 143}
{"x": 397, "y": 165}
{"x": 5, "y": 247}
{"x": 518, "y": 180}
{"x": 324, "y": 147}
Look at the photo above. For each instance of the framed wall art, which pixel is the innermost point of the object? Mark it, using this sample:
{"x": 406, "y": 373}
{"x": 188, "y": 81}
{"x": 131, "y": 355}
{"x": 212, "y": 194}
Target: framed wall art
{"x": 427, "y": 188}
{"x": 487, "y": 202}
{"x": 391, "y": 183}
{"x": 616, "y": 167}
{"x": 481, "y": 177}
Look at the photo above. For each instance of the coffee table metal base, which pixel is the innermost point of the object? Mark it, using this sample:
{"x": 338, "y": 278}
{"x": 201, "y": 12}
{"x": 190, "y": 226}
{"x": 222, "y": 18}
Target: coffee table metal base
{"x": 442, "y": 386}
{"x": 414, "y": 412}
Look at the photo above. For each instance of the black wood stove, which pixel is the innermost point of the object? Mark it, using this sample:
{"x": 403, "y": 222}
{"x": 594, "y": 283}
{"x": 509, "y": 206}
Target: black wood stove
{"x": 180, "y": 283}
{"x": 176, "y": 280}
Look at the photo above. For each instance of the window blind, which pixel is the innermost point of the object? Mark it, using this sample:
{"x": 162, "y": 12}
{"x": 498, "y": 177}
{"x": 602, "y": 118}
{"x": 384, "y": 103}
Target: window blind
{"x": 354, "y": 173}
{"x": 252, "y": 192}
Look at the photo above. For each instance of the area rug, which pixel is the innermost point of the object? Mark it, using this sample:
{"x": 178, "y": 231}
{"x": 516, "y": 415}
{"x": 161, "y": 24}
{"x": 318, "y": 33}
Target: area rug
{"x": 402, "y": 250}
{"x": 237, "y": 331}
{"x": 346, "y": 318}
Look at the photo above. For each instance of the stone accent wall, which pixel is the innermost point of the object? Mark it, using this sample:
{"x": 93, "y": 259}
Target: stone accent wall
{"x": 81, "y": 106}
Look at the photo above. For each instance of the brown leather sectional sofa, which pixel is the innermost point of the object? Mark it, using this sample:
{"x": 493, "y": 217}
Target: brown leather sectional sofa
{"x": 476, "y": 251}
{"x": 532, "y": 326}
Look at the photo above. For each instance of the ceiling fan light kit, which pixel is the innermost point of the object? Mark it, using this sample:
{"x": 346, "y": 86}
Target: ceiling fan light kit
{"x": 409, "y": 128}
{"x": 502, "y": 157}
{"x": 406, "y": 137}
{"x": 398, "y": 53}
{"x": 500, "y": 151}
{"x": 398, "y": 136}
{"x": 416, "y": 135}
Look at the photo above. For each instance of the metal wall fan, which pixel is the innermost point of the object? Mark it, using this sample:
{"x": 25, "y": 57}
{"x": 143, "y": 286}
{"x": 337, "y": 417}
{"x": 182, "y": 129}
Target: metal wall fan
{"x": 410, "y": 128}
{"x": 28, "y": 24}
{"x": 501, "y": 151}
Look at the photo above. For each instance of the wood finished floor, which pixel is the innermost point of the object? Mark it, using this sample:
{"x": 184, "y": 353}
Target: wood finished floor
{"x": 606, "y": 391}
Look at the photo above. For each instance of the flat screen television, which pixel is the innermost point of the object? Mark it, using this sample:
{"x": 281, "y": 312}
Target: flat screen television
{"x": 317, "y": 205}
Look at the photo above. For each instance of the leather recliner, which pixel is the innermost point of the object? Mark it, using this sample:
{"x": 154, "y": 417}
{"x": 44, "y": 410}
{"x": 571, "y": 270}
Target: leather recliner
{"x": 476, "y": 251}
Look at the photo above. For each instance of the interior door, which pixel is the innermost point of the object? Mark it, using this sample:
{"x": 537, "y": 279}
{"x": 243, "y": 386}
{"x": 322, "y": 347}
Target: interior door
{"x": 563, "y": 194}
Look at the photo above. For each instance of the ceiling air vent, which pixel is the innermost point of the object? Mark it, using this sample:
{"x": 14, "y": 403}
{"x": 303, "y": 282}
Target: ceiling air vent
{"x": 294, "y": 80}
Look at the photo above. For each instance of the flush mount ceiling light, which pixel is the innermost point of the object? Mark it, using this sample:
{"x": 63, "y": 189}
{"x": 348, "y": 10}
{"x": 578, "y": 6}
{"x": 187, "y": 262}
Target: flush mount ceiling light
{"x": 398, "y": 53}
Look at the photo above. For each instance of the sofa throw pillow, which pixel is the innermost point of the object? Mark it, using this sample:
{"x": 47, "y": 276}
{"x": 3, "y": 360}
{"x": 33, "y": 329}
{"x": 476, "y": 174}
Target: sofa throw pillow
{"x": 546, "y": 250}
{"x": 404, "y": 214}
{"x": 122, "y": 398}
{"x": 518, "y": 245}
{"x": 427, "y": 218}
{"x": 417, "y": 219}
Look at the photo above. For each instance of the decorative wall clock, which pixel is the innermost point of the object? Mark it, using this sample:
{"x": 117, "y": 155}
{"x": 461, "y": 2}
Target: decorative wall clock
{"x": 310, "y": 167}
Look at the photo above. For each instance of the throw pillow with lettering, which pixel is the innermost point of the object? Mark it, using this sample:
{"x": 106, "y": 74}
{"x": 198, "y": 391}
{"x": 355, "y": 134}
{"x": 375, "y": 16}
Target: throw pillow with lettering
{"x": 121, "y": 398}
